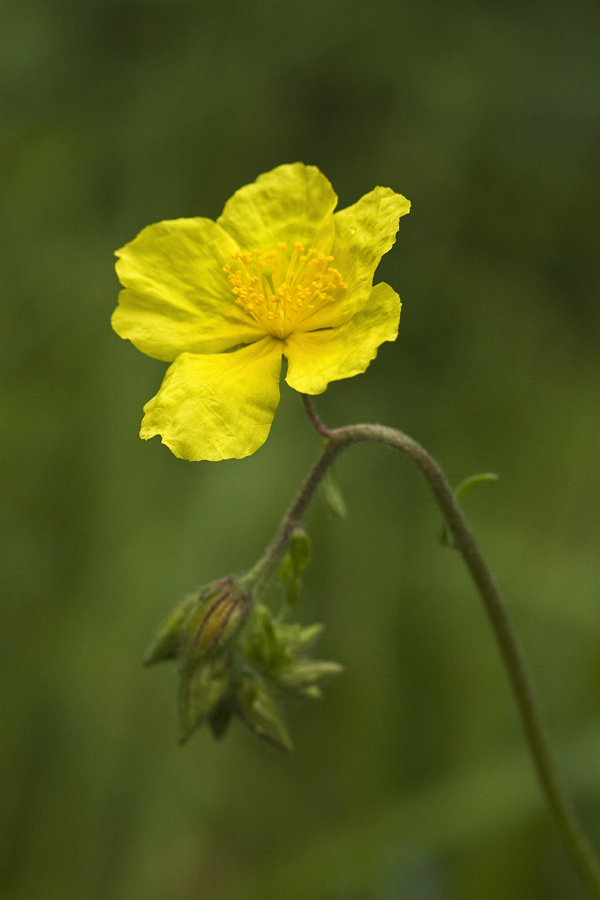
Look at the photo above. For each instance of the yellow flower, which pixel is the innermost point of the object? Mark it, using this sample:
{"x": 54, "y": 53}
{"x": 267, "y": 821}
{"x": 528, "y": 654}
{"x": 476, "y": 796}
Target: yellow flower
{"x": 278, "y": 274}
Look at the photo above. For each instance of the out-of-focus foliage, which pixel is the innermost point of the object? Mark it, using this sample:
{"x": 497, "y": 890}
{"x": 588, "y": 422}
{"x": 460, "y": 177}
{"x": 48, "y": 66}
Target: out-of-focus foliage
{"x": 410, "y": 778}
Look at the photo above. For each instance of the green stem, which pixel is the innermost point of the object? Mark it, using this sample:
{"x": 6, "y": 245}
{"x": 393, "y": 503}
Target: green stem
{"x": 264, "y": 569}
{"x": 575, "y": 840}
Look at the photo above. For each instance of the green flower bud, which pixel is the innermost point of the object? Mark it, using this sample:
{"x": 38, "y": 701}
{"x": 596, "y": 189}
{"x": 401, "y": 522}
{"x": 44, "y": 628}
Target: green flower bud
{"x": 256, "y": 708}
{"x": 232, "y": 651}
{"x": 219, "y": 617}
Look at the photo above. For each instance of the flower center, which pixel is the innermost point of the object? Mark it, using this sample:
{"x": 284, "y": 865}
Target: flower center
{"x": 278, "y": 290}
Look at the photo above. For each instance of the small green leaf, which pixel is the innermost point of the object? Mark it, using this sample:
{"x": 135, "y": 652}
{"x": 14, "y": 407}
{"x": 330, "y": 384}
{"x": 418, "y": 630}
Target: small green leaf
{"x": 299, "y": 550}
{"x": 297, "y": 556}
{"x": 465, "y": 487}
{"x": 265, "y": 643}
{"x": 333, "y": 495}
{"x": 286, "y": 568}
{"x": 296, "y": 559}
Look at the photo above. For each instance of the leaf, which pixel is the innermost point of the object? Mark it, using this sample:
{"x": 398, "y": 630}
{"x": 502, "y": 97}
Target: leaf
{"x": 333, "y": 495}
{"x": 294, "y": 563}
{"x": 286, "y": 569}
{"x": 299, "y": 551}
{"x": 264, "y": 637}
{"x": 465, "y": 487}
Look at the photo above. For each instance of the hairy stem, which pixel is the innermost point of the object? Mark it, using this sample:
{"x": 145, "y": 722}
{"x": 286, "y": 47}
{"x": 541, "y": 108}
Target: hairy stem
{"x": 575, "y": 840}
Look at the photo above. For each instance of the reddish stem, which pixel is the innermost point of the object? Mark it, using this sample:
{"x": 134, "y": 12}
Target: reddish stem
{"x": 315, "y": 421}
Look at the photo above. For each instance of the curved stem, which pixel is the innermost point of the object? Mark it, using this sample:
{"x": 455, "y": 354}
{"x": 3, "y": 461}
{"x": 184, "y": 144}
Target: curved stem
{"x": 264, "y": 569}
{"x": 575, "y": 840}
{"x": 313, "y": 416}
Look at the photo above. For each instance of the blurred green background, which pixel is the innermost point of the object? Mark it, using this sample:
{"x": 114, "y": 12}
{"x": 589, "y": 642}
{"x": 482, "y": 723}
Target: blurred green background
{"x": 410, "y": 778}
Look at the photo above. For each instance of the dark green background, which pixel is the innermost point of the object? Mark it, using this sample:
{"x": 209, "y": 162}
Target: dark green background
{"x": 410, "y": 778}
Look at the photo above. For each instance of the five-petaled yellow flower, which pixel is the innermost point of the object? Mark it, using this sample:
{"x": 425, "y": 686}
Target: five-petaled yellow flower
{"x": 278, "y": 274}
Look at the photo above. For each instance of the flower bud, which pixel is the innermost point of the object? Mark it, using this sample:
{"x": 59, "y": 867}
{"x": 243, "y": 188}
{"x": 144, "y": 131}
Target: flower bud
{"x": 217, "y": 620}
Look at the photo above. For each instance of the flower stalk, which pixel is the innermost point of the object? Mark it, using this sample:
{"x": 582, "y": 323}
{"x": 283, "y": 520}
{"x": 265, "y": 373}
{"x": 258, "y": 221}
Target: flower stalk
{"x": 575, "y": 840}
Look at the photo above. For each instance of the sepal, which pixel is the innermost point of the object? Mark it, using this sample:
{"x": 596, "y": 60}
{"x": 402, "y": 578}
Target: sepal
{"x": 258, "y": 711}
{"x": 167, "y": 643}
{"x": 202, "y": 687}
{"x": 302, "y": 676}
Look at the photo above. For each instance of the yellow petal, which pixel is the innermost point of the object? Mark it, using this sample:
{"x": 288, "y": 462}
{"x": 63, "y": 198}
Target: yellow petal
{"x": 217, "y": 406}
{"x": 177, "y": 297}
{"x": 315, "y": 358}
{"x": 363, "y": 233}
{"x": 289, "y": 204}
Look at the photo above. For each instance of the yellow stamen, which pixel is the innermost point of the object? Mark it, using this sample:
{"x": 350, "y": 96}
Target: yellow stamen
{"x": 280, "y": 290}
{"x": 267, "y": 274}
